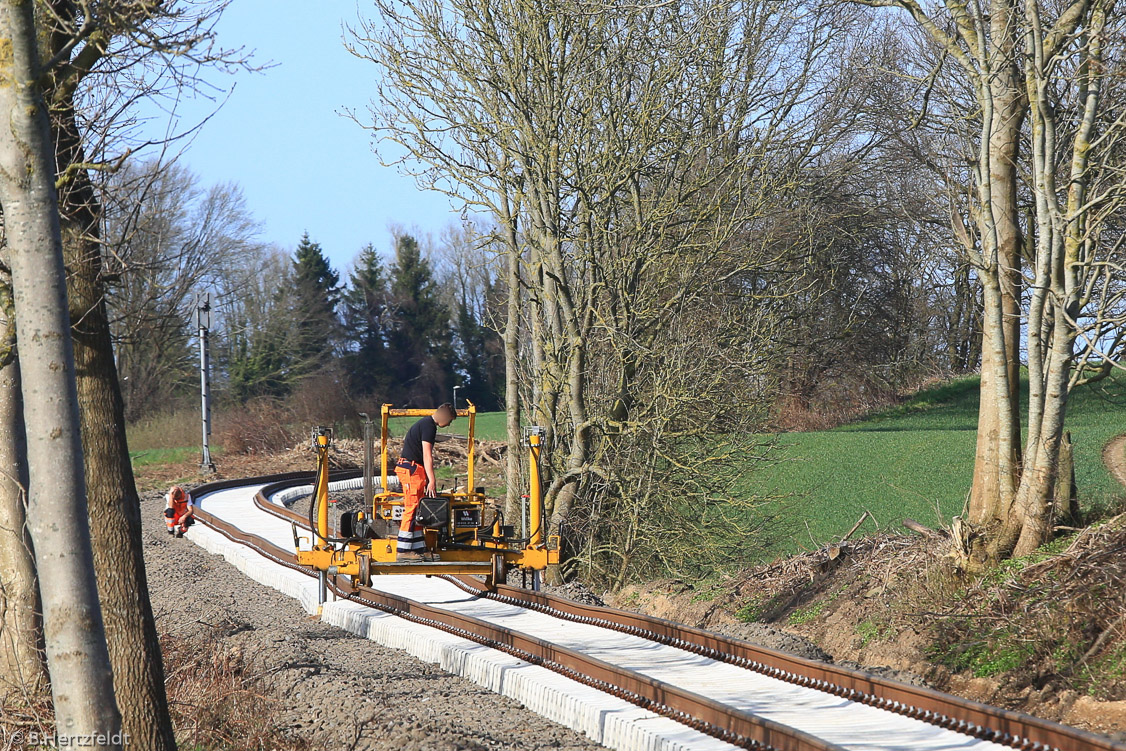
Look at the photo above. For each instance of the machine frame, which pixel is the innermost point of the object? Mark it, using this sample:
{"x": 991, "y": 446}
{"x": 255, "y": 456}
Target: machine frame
{"x": 463, "y": 542}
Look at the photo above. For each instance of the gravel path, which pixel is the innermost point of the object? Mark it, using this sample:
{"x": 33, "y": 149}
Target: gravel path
{"x": 1114, "y": 457}
{"x": 341, "y": 691}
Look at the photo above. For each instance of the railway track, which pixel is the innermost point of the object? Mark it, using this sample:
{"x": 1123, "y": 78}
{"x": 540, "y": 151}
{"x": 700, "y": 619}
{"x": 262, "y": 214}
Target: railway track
{"x": 627, "y": 680}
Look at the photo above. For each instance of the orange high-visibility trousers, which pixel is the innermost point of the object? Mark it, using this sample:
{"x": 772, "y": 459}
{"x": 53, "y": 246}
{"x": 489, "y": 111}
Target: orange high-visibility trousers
{"x": 181, "y": 516}
{"x": 412, "y": 477}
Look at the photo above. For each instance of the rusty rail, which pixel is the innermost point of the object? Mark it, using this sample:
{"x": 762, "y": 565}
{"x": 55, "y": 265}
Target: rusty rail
{"x": 739, "y": 728}
{"x": 701, "y": 713}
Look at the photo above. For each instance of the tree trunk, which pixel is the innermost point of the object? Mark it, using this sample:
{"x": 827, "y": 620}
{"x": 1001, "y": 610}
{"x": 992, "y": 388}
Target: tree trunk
{"x": 512, "y": 500}
{"x": 1066, "y": 496}
{"x": 114, "y": 507}
{"x": 1062, "y": 252}
{"x": 997, "y": 459}
{"x": 21, "y": 628}
{"x": 1034, "y": 497}
{"x": 77, "y": 658}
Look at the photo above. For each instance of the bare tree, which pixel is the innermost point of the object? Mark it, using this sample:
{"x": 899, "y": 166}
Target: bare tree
{"x": 81, "y": 678}
{"x": 626, "y": 154}
{"x": 168, "y": 238}
{"x": 1035, "y": 72}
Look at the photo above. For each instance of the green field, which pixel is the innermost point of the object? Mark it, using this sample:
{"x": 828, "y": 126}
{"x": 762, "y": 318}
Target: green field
{"x": 488, "y": 426}
{"x": 146, "y": 457}
{"x": 912, "y": 461}
{"x": 916, "y": 461}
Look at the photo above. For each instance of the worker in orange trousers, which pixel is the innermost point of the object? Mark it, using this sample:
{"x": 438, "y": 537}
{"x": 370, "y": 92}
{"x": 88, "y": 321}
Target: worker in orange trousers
{"x": 415, "y": 470}
{"x": 179, "y": 514}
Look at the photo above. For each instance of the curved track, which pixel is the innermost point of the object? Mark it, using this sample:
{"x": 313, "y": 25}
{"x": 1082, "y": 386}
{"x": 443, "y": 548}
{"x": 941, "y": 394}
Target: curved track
{"x": 695, "y": 689}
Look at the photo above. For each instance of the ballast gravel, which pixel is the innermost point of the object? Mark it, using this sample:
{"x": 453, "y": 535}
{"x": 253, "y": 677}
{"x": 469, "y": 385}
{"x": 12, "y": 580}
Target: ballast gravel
{"x": 337, "y": 689}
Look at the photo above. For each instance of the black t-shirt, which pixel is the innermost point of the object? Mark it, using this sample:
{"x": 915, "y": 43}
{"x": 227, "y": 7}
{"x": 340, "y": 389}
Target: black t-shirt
{"x": 423, "y": 430}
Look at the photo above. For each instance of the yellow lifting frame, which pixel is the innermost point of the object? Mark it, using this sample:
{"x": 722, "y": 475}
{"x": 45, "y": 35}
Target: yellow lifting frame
{"x": 363, "y": 560}
{"x": 386, "y": 412}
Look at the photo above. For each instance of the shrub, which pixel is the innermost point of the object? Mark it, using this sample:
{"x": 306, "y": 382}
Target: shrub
{"x": 261, "y": 425}
{"x": 216, "y": 701}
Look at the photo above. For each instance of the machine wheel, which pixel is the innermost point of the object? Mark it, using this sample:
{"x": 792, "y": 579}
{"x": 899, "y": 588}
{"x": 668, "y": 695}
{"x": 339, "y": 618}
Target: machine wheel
{"x": 499, "y": 574}
{"x": 364, "y": 578}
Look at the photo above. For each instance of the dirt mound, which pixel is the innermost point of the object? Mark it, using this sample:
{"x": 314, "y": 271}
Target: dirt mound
{"x": 1043, "y": 635}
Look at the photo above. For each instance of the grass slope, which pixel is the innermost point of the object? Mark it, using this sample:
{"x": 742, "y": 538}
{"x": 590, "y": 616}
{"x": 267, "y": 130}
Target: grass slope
{"x": 916, "y": 461}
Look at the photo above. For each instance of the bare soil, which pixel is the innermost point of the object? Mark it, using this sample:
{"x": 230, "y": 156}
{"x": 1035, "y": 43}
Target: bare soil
{"x": 1114, "y": 457}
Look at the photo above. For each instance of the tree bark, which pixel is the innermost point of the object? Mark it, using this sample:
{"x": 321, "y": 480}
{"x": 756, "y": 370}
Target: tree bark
{"x": 997, "y": 459}
{"x": 114, "y": 506}
{"x": 78, "y": 661}
{"x": 21, "y": 627}
{"x": 1066, "y": 495}
{"x": 512, "y": 500}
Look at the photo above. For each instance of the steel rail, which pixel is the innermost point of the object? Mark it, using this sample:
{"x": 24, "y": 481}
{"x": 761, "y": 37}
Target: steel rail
{"x": 982, "y": 721}
{"x": 705, "y": 715}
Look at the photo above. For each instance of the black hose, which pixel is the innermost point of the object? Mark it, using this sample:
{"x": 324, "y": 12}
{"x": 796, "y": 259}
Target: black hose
{"x": 312, "y": 515}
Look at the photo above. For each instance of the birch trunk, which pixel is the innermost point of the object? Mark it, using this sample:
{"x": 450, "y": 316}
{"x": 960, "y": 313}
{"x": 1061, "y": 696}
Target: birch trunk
{"x": 77, "y": 658}
{"x": 997, "y": 458}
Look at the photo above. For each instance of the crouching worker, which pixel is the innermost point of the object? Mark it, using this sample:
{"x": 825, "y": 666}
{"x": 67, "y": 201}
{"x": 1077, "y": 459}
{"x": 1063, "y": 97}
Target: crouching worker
{"x": 178, "y": 513}
{"x": 415, "y": 470}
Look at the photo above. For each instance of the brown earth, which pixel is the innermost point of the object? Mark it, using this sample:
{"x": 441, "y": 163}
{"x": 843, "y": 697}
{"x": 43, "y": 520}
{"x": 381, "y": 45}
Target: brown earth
{"x": 1114, "y": 457}
{"x": 890, "y": 604}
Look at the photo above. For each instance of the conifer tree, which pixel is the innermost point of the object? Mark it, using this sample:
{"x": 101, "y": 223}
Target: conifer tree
{"x": 316, "y": 295}
{"x": 366, "y": 311}
{"x": 479, "y": 356}
{"x": 261, "y": 339}
{"x": 421, "y": 341}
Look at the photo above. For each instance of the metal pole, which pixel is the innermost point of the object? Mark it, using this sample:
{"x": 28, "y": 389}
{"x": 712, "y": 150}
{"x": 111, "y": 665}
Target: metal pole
{"x": 203, "y": 317}
{"x": 369, "y": 461}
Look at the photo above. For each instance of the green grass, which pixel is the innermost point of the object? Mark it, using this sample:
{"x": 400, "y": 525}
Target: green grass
{"x": 164, "y": 456}
{"x": 489, "y": 426}
{"x": 916, "y": 461}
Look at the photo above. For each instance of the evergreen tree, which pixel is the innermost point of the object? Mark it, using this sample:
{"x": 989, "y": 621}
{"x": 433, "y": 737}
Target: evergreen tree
{"x": 479, "y": 356}
{"x": 316, "y": 295}
{"x": 421, "y": 340}
{"x": 366, "y": 309}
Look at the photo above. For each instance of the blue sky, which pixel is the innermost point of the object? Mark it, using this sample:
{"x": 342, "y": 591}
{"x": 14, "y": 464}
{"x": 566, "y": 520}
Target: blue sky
{"x": 301, "y": 164}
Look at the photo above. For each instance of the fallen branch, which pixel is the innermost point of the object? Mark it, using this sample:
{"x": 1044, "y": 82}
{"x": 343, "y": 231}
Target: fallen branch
{"x": 914, "y": 526}
{"x": 856, "y": 526}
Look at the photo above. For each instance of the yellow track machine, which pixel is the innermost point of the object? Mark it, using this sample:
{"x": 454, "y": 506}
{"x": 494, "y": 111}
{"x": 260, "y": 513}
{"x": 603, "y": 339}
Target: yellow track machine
{"x": 464, "y": 530}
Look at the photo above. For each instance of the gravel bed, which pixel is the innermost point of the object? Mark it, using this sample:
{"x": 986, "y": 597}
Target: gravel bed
{"x": 342, "y": 689}
{"x": 338, "y": 690}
